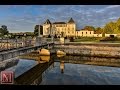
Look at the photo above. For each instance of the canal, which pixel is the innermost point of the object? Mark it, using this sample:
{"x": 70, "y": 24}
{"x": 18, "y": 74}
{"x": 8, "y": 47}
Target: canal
{"x": 67, "y": 70}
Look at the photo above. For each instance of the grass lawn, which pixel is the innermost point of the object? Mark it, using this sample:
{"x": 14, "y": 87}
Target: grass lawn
{"x": 88, "y": 39}
{"x": 97, "y": 39}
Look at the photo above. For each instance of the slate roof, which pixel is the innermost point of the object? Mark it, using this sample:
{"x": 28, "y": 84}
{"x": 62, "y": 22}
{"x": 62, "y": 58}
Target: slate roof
{"x": 47, "y": 21}
{"x": 59, "y": 23}
{"x": 71, "y": 21}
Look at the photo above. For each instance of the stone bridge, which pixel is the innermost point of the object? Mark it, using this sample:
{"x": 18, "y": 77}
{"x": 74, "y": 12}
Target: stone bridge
{"x": 5, "y": 55}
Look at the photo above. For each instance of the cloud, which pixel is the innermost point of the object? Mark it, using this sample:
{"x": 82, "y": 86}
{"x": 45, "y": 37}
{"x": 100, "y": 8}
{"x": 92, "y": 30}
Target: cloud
{"x": 100, "y": 11}
{"x": 25, "y": 17}
{"x": 113, "y": 18}
{"x": 106, "y": 8}
{"x": 112, "y": 6}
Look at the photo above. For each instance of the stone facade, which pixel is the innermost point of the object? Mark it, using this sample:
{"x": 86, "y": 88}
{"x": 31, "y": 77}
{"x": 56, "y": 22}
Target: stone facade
{"x": 61, "y": 29}
{"x": 85, "y": 33}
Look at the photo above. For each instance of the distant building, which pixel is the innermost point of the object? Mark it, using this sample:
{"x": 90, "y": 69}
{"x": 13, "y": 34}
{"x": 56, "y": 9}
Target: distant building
{"x": 59, "y": 28}
{"x": 84, "y": 33}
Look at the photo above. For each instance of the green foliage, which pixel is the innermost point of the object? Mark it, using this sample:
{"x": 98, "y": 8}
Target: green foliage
{"x": 109, "y": 28}
{"x": 55, "y": 36}
{"x": 36, "y": 30}
{"x": 98, "y": 30}
{"x": 88, "y": 39}
{"x": 3, "y": 30}
{"x": 71, "y": 39}
{"x": 49, "y": 36}
{"x": 112, "y": 27}
{"x": 110, "y": 39}
{"x": 91, "y": 28}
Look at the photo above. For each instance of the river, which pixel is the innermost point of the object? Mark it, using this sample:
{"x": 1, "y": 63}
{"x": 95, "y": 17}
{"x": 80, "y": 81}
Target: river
{"x": 67, "y": 71}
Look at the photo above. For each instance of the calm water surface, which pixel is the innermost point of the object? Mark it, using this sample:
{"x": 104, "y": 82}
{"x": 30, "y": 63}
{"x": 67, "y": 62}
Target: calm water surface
{"x": 65, "y": 72}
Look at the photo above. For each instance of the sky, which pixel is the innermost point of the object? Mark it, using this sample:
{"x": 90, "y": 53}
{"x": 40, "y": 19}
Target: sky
{"x": 23, "y": 18}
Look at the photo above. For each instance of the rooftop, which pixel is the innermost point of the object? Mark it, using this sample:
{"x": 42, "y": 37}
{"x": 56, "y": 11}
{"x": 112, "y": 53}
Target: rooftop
{"x": 71, "y": 21}
{"x": 59, "y": 23}
{"x": 47, "y": 22}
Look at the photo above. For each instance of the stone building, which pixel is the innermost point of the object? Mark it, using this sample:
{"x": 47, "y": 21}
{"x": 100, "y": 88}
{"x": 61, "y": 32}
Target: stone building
{"x": 84, "y": 33}
{"x": 59, "y": 28}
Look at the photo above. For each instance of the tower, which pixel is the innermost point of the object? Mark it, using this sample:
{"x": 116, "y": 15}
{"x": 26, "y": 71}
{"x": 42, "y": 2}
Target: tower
{"x": 46, "y": 27}
{"x": 71, "y": 27}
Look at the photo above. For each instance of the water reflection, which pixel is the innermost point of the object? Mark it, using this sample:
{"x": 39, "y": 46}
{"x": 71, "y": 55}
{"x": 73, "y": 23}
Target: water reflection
{"x": 67, "y": 70}
{"x": 90, "y": 60}
{"x": 45, "y": 58}
{"x": 79, "y": 74}
{"x": 34, "y": 75}
{"x": 37, "y": 57}
{"x": 60, "y": 55}
{"x": 62, "y": 66}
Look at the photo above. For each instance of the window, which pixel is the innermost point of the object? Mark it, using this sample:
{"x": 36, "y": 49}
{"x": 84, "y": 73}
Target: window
{"x": 86, "y": 32}
{"x": 90, "y": 32}
{"x": 82, "y": 32}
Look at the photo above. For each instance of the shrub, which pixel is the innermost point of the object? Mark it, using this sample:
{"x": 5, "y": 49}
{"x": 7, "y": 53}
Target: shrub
{"x": 49, "y": 36}
{"x": 71, "y": 39}
{"x": 110, "y": 39}
{"x": 55, "y": 36}
{"x": 65, "y": 37}
{"x": 112, "y": 36}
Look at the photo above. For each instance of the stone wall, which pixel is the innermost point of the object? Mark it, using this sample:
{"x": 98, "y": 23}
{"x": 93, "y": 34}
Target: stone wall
{"x": 88, "y": 50}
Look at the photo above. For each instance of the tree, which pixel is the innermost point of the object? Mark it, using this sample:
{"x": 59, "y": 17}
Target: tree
{"x": 98, "y": 30}
{"x": 90, "y": 28}
{"x": 55, "y": 36}
{"x": 3, "y": 30}
{"x": 36, "y": 30}
{"x": 49, "y": 36}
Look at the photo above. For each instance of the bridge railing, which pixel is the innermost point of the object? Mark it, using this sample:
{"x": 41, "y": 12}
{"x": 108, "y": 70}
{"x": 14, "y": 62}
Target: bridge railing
{"x": 8, "y": 44}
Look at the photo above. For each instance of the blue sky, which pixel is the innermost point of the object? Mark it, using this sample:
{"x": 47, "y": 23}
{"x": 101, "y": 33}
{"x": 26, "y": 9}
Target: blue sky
{"x": 23, "y": 18}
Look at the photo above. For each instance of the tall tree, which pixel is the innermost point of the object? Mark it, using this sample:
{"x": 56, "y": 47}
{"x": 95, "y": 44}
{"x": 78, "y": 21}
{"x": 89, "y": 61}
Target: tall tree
{"x": 3, "y": 30}
{"x": 36, "y": 30}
